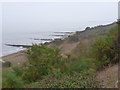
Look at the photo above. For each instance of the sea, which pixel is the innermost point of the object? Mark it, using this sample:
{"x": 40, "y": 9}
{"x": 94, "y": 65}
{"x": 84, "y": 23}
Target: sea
{"x": 33, "y": 37}
{"x": 26, "y": 38}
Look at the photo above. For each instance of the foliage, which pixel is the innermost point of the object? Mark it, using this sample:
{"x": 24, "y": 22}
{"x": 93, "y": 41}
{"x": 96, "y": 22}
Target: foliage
{"x": 76, "y": 80}
{"x": 41, "y": 62}
{"x": 10, "y": 80}
{"x": 104, "y": 49}
{"x": 18, "y": 71}
{"x": 48, "y": 62}
{"x": 83, "y": 65}
{"x": 6, "y": 64}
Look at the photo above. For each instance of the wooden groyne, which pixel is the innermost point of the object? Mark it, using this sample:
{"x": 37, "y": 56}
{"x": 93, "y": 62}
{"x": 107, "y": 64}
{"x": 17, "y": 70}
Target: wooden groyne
{"x": 23, "y": 46}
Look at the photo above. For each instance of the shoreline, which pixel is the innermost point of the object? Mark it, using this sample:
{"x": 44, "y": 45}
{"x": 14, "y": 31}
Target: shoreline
{"x": 20, "y": 56}
{"x": 62, "y": 38}
{"x": 12, "y": 54}
{"x": 45, "y": 43}
{"x": 16, "y": 59}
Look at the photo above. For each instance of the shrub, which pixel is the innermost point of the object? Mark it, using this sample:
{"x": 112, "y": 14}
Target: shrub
{"x": 33, "y": 73}
{"x": 10, "y": 80}
{"x": 83, "y": 65}
{"x": 42, "y": 60}
{"x": 6, "y": 64}
{"x": 104, "y": 49}
{"x": 17, "y": 70}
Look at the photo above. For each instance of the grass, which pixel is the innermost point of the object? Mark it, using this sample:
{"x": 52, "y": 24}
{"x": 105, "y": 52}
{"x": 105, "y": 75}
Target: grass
{"x": 10, "y": 80}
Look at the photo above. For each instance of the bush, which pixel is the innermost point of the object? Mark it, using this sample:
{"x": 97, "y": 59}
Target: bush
{"x": 18, "y": 71}
{"x": 6, "y": 64}
{"x": 42, "y": 60}
{"x": 10, "y": 80}
{"x": 33, "y": 73}
{"x": 104, "y": 49}
{"x": 83, "y": 65}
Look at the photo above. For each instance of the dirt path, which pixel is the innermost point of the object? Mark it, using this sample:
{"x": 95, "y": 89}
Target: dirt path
{"x": 109, "y": 76}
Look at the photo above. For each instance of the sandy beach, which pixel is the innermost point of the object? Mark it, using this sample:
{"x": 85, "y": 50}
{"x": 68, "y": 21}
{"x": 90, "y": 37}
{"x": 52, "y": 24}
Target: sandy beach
{"x": 16, "y": 59}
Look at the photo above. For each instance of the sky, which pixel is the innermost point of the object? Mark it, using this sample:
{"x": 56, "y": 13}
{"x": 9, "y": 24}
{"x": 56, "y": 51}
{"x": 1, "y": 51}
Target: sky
{"x": 51, "y": 16}
{"x": 59, "y": 0}
{"x": 119, "y": 10}
{"x": 0, "y": 29}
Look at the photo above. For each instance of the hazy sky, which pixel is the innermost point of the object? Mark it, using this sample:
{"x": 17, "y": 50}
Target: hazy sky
{"x": 20, "y": 17}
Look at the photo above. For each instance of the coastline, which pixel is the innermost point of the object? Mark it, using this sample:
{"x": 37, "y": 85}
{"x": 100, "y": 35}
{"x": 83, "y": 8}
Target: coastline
{"x": 63, "y": 42}
{"x": 12, "y": 54}
{"x": 19, "y": 58}
{"x": 45, "y": 43}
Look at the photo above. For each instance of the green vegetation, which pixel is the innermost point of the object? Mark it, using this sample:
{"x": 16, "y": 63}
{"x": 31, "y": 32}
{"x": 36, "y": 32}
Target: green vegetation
{"x": 67, "y": 81}
{"x": 10, "y": 80}
{"x": 42, "y": 61}
{"x": 6, "y": 64}
{"x": 46, "y": 67}
{"x": 104, "y": 49}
